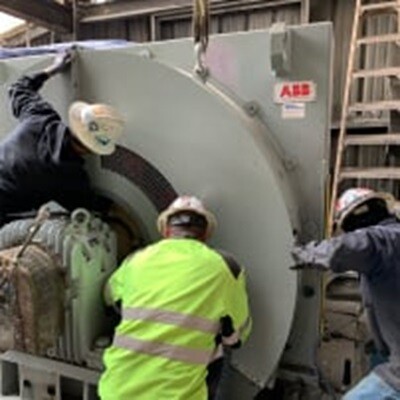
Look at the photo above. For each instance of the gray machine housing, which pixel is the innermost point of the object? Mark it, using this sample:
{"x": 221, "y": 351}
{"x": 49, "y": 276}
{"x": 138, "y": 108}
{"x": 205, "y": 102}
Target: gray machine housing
{"x": 252, "y": 140}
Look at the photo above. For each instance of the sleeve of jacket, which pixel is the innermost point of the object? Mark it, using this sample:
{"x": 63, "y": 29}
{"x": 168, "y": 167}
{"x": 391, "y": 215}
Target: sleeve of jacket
{"x": 236, "y": 324}
{"x": 362, "y": 251}
{"x": 26, "y": 101}
{"x": 114, "y": 288}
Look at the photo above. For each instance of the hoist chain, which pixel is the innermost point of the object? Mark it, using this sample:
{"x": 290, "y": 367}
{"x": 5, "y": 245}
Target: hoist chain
{"x": 201, "y": 25}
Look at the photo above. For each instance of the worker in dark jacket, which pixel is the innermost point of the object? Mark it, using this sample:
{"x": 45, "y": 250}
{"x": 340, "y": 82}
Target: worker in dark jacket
{"x": 41, "y": 159}
{"x": 181, "y": 301}
{"x": 370, "y": 245}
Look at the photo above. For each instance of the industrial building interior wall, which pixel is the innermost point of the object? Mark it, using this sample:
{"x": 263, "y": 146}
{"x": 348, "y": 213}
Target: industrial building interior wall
{"x": 162, "y": 26}
{"x": 368, "y": 90}
{"x": 341, "y": 13}
{"x": 235, "y": 21}
{"x": 178, "y": 27}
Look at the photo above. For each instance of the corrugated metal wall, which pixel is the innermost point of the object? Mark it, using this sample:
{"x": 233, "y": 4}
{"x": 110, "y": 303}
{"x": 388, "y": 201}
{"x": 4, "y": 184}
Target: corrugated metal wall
{"x": 376, "y": 56}
{"x": 177, "y": 26}
{"x": 368, "y": 57}
{"x": 341, "y": 13}
{"x": 137, "y": 30}
{"x": 368, "y": 90}
{"x": 168, "y": 26}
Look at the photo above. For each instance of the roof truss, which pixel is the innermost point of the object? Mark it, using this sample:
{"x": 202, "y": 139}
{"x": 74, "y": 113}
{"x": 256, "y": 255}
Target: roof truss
{"x": 46, "y": 13}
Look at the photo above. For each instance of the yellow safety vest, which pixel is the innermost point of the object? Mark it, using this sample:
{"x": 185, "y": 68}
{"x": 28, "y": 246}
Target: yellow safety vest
{"x": 173, "y": 295}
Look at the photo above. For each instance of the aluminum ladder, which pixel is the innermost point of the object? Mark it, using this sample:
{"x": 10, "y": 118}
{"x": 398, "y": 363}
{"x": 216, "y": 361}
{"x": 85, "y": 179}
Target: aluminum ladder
{"x": 364, "y": 10}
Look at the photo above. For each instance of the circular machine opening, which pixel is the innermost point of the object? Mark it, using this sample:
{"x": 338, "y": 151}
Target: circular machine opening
{"x": 127, "y": 227}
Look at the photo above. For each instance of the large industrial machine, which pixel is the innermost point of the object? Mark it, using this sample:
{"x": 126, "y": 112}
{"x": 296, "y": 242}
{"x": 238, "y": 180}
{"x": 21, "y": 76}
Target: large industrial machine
{"x": 248, "y": 132}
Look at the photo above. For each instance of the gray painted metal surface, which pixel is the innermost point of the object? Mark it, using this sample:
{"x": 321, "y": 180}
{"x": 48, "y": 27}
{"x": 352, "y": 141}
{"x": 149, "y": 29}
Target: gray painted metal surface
{"x": 262, "y": 172}
{"x": 207, "y": 145}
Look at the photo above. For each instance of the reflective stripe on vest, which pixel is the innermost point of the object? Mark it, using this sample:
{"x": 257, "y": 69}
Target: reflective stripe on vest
{"x": 172, "y": 318}
{"x": 165, "y": 350}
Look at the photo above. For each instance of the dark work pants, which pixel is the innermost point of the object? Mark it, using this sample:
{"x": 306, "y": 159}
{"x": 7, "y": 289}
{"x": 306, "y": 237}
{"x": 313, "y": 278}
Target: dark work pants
{"x": 214, "y": 377}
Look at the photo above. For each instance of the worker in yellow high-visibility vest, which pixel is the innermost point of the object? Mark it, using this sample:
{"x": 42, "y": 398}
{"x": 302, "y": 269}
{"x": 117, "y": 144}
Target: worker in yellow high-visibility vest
{"x": 181, "y": 302}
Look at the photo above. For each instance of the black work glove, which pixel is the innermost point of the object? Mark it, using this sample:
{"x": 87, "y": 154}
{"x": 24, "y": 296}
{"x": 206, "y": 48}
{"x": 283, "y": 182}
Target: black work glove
{"x": 310, "y": 256}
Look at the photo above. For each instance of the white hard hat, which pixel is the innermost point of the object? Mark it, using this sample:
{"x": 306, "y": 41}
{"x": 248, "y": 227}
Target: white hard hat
{"x": 187, "y": 203}
{"x": 96, "y": 126}
{"x": 355, "y": 197}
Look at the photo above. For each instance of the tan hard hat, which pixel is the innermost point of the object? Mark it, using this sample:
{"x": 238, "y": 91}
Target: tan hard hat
{"x": 96, "y": 126}
{"x": 187, "y": 203}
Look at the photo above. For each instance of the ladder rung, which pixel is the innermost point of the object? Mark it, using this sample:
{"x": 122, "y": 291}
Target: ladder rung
{"x": 368, "y": 73}
{"x": 376, "y": 106}
{"x": 370, "y": 173}
{"x": 382, "y": 139}
{"x": 393, "y": 37}
{"x": 380, "y": 7}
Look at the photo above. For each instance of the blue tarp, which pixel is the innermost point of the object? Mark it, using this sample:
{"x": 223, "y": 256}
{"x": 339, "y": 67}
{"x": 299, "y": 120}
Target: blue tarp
{"x": 56, "y": 48}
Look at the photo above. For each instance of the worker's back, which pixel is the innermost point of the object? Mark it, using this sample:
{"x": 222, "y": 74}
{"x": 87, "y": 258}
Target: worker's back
{"x": 173, "y": 295}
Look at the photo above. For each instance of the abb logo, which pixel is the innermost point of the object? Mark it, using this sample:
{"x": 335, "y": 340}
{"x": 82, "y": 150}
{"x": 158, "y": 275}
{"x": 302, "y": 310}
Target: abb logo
{"x": 304, "y": 91}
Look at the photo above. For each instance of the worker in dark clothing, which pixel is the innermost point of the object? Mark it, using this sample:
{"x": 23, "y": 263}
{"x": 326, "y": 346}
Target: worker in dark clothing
{"x": 41, "y": 159}
{"x": 370, "y": 245}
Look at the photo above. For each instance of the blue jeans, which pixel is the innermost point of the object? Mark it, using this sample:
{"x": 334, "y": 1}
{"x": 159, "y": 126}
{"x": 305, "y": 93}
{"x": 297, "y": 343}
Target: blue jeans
{"x": 372, "y": 387}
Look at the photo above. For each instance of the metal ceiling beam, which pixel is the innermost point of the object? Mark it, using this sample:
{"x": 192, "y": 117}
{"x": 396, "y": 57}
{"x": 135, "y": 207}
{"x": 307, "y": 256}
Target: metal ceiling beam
{"x": 46, "y": 13}
{"x": 120, "y": 9}
{"x": 125, "y": 9}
